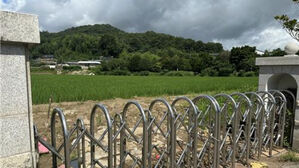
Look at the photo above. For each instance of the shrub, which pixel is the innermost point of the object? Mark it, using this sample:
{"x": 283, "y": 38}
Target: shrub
{"x": 72, "y": 68}
{"x": 249, "y": 74}
{"x": 209, "y": 72}
{"x": 179, "y": 73}
{"x": 225, "y": 71}
{"x": 41, "y": 69}
{"x": 241, "y": 73}
{"x": 164, "y": 71}
{"x": 96, "y": 70}
{"x": 36, "y": 64}
{"x": 142, "y": 73}
{"x": 119, "y": 73}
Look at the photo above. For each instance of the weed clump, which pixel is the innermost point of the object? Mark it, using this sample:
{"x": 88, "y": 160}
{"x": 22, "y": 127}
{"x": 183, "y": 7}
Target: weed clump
{"x": 289, "y": 157}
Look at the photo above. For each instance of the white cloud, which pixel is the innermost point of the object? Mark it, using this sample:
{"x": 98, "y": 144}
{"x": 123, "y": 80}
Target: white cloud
{"x": 232, "y": 22}
{"x": 268, "y": 39}
{"x": 12, "y": 5}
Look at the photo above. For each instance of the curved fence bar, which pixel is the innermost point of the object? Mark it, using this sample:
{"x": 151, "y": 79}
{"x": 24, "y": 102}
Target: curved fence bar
{"x": 206, "y": 118}
{"x": 269, "y": 113}
{"x": 256, "y": 123}
{"x": 244, "y": 110}
{"x": 185, "y": 131}
{"x": 94, "y": 140}
{"x": 228, "y": 107}
{"x": 129, "y": 135}
{"x": 66, "y": 143}
{"x": 280, "y": 115}
{"x": 165, "y": 155}
{"x": 207, "y": 131}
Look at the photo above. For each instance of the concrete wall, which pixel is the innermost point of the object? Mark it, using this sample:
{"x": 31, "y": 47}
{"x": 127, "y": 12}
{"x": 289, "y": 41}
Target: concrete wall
{"x": 266, "y": 72}
{"x": 18, "y": 32}
{"x": 16, "y": 145}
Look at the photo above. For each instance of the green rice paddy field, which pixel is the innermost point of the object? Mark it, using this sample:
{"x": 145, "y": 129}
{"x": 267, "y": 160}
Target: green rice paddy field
{"x": 81, "y": 88}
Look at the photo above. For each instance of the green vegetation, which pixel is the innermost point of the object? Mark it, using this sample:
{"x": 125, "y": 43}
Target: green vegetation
{"x": 42, "y": 69}
{"x": 125, "y": 53}
{"x": 289, "y": 157}
{"x": 93, "y": 41}
{"x": 81, "y": 88}
{"x": 71, "y": 68}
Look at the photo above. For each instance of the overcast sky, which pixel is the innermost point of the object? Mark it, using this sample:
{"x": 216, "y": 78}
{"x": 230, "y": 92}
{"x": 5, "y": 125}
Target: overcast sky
{"x": 231, "y": 22}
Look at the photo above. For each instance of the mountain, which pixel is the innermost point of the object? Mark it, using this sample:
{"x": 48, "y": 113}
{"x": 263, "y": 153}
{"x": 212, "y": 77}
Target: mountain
{"x": 97, "y": 29}
{"x": 92, "y": 41}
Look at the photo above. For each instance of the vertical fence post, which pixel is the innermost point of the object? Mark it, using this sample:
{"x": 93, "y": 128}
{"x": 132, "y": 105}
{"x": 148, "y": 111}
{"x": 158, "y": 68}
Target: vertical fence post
{"x": 248, "y": 136}
{"x": 78, "y": 146}
{"x": 272, "y": 118}
{"x": 217, "y": 138}
{"x": 235, "y": 124}
{"x": 145, "y": 142}
{"x": 123, "y": 142}
{"x": 83, "y": 152}
{"x": 172, "y": 140}
{"x": 194, "y": 136}
{"x": 260, "y": 131}
{"x": 150, "y": 147}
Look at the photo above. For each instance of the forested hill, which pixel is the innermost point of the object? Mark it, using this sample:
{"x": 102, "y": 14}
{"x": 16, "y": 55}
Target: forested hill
{"x": 93, "y": 41}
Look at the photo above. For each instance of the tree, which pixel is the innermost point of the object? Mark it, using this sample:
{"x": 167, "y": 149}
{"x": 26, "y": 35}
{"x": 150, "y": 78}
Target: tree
{"x": 290, "y": 25}
{"x": 109, "y": 46}
{"x": 277, "y": 52}
{"x": 195, "y": 63}
{"x": 243, "y": 58}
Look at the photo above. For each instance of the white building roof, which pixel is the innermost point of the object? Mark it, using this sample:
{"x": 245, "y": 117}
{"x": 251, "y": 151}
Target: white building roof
{"x": 89, "y": 62}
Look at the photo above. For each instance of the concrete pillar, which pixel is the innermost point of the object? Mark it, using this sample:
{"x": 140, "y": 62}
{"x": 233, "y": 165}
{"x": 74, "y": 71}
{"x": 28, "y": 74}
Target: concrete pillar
{"x": 285, "y": 71}
{"x": 18, "y": 32}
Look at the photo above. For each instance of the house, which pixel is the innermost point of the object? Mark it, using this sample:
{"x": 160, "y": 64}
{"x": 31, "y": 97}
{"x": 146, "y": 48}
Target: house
{"x": 52, "y": 66}
{"x": 86, "y": 64}
{"x": 259, "y": 52}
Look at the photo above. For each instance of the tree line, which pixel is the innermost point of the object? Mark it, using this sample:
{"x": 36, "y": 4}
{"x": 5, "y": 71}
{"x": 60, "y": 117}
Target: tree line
{"x": 146, "y": 52}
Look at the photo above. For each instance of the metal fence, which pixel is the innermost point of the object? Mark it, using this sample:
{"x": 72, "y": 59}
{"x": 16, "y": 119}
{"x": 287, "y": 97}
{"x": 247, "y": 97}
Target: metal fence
{"x": 207, "y": 131}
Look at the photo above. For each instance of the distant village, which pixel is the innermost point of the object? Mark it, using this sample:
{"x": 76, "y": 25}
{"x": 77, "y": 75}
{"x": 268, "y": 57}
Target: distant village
{"x": 48, "y": 61}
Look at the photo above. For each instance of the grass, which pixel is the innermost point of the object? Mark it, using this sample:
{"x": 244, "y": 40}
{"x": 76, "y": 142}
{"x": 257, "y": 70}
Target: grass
{"x": 289, "y": 157}
{"x": 81, "y": 88}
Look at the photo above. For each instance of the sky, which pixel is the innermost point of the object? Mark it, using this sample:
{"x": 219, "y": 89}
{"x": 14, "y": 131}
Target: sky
{"x": 231, "y": 22}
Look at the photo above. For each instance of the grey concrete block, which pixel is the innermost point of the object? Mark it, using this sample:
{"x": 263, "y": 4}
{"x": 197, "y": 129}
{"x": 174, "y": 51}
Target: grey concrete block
{"x": 294, "y": 70}
{"x": 297, "y": 116}
{"x": 263, "y": 79}
{"x": 296, "y": 139}
{"x": 261, "y": 87}
{"x": 17, "y": 27}
{"x": 13, "y": 87}
{"x": 277, "y": 61}
{"x": 286, "y": 69}
{"x": 18, "y": 161}
{"x": 15, "y": 136}
{"x": 265, "y": 70}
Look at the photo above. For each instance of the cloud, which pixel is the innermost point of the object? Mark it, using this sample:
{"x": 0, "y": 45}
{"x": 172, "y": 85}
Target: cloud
{"x": 267, "y": 39}
{"x": 12, "y": 5}
{"x": 232, "y": 22}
